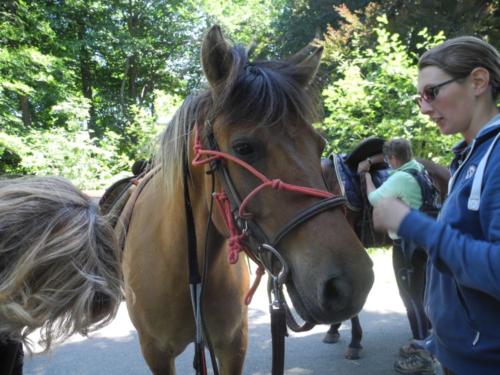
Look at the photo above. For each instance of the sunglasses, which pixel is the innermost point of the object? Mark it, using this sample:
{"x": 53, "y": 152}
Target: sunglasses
{"x": 431, "y": 92}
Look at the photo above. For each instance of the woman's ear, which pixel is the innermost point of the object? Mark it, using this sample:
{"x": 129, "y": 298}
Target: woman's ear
{"x": 480, "y": 80}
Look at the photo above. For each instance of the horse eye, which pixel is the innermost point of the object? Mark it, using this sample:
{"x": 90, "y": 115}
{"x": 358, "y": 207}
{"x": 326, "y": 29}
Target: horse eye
{"x": 243, "y": 149}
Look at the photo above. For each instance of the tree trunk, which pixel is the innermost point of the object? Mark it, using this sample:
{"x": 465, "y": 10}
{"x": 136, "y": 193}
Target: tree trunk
{"x": 132, "y": 77}
{"x": 25, "y": 110}
{"x": 86, "y": 77}
{"x": 133, "y": 25}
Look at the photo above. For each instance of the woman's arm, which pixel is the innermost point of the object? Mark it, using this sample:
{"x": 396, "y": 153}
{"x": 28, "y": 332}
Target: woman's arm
{"x": 365, "y": 165}
{"x": 474, "y": 263}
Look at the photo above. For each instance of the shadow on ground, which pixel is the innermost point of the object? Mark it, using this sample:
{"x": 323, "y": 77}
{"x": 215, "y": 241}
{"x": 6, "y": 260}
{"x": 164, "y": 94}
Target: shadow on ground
{"x": 115, "y": 350}
{"x": 305, "y": 353}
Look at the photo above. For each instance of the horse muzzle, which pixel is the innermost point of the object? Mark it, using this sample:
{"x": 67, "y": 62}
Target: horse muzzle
{"x": 336, "y": 298}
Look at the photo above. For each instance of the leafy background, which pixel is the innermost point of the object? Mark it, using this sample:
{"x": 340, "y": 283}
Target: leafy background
{"x": 86, "y": 85}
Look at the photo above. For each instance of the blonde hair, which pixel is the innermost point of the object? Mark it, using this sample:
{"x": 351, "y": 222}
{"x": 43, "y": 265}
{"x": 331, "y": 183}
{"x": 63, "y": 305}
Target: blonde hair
{"x": 59, "y": 261}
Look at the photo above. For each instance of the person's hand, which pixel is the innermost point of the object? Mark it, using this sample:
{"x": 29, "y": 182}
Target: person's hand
{"x": 364, "y": 166}
{"x": 388, "y": 214}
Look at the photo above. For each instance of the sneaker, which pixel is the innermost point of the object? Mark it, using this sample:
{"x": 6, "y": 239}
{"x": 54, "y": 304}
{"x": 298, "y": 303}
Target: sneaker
{"x": 420, "y": 363}
{"x": 410, "y": 349}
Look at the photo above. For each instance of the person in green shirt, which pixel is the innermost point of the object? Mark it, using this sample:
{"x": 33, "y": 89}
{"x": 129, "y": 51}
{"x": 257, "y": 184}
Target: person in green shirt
{"x": 409, "y": 269}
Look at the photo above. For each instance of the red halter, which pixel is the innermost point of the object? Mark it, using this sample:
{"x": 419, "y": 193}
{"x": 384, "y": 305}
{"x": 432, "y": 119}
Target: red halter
{"x": 275, "y": 184}
{"x": 235, "y": 237}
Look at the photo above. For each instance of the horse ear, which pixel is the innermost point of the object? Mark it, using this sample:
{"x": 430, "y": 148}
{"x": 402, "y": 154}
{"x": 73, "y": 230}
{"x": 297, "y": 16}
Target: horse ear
{"x": 307, "y": 61}
{"x": 216, "y": 57}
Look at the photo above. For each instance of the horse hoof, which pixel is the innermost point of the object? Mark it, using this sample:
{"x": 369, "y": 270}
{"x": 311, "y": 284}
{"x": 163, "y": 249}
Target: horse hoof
{"x": 331, "y": 338}
{"x": 353, "y": 353}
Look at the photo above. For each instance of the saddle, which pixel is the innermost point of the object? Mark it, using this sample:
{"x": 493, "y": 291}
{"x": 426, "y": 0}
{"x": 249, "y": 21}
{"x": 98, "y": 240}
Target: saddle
{"x": 368, "y": 147}
{"x": 342, "y": 178}
{"x": 115, "y": 198}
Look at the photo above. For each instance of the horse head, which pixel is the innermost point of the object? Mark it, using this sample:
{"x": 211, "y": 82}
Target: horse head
{"x": 259, "y": 115}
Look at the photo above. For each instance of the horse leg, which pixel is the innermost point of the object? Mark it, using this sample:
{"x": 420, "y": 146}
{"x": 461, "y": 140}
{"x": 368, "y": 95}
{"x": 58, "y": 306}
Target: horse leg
{"x": 354, "y": 350}
{"x": 333, "y": 335}
{"x": 159, "y": 362}
{"x": 231, "y": 352}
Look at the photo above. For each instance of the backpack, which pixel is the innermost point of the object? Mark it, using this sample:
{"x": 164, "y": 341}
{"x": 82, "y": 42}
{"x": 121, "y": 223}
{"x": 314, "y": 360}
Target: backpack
{"x": 431, "y": 200}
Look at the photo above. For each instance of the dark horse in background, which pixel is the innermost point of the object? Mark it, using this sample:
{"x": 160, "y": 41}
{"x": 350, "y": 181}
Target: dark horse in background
{"x": 340, "y": 172}
{"x": 256, "y": 116}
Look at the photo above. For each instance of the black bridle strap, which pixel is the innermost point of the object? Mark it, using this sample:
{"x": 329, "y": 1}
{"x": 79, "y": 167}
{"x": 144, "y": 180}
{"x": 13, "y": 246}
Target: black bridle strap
{"x": 194, "y": 277}
{"x": 278, "y": 333}
{"x": 306, "y": 214}
{"x": 194, "y": 272}
{"x": 291, "y": 322}
{"x": 302, "y": 217}
{"x": 288, "y": 315}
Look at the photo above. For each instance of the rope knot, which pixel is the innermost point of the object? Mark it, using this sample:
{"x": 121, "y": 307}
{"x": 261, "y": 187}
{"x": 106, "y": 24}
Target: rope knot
{"x": 235, "y": 247}
{"x": 277, "y": 184}
{"x": 197, "y": 147}
{"x": 221, "y": 197}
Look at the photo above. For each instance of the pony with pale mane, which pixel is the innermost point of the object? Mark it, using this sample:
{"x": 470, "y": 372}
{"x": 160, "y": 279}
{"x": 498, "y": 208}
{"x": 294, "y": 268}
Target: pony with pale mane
{"x": 248, "y": 143}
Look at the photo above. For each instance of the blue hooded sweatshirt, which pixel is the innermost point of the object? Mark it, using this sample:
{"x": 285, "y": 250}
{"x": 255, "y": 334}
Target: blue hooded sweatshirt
{"x": 462, "y": 297}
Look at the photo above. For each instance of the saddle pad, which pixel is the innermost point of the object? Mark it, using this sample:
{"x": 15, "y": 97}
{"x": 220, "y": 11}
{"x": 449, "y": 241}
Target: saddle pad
{"x": 350, "y": 183}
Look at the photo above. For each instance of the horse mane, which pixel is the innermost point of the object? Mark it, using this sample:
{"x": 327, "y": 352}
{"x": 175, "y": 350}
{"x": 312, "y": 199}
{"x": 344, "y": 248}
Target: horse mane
{"x": 262, "y": 93}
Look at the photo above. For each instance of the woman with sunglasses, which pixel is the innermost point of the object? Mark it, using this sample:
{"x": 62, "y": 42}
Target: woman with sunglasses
{"x": 459, "y": 85}
{"x": 59, "y": 265}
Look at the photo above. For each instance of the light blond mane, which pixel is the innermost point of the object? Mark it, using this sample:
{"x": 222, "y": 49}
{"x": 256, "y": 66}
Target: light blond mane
{"x": 173, "y": 141}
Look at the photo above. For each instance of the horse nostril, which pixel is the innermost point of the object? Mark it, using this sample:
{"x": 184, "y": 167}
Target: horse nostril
{"x": 330, "y": 291}
{"x": 335, "y": 293}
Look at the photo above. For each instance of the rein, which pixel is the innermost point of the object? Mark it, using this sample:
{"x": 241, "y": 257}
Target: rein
{"x": 246, "y": 235}
{"x": 195, "y": 280}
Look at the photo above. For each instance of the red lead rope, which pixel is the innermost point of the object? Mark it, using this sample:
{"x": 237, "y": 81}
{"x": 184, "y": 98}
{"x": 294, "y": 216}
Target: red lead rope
{"x": 236, "y": 238}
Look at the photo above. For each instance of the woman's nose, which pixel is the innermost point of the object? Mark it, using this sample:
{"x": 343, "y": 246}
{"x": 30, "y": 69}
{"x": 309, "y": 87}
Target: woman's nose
{"x": 425, "y": 107}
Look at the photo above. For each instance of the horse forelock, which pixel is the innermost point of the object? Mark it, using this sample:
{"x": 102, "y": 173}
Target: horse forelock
{"x": 265, "y": 93}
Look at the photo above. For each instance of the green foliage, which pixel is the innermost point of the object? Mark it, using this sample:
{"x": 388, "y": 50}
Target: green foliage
{"x": 32, "y": 79}
{"x": 454, "y": 18}
{"x": 85, "y": 85}
{"x": 372, "y": 92}
{"x": 247, "y": 21}
{"x": 82, "y": 82}
{"x": 146, "y": 126}
{"x": 10, "y": 160}
{"x": 69, "y": 153}
{"x": 301, "y": 20}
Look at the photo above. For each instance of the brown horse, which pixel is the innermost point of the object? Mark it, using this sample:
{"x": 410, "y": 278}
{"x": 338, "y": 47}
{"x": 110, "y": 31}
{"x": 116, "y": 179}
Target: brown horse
{"x": 260, "y": 114}
{"x": 359, "y": 220}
